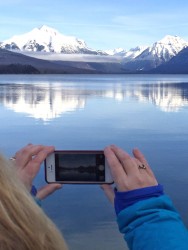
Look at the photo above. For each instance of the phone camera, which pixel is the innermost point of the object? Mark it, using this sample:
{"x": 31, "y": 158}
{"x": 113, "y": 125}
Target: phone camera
{"x": 101, "y": 167}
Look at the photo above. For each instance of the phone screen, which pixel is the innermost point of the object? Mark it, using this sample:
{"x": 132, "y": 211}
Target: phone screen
{"x": 80, "y": 167}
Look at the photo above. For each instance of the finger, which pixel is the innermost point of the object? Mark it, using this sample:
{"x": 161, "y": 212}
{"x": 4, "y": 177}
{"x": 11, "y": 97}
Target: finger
{"x": 24, "y": 155}
{"x": 47, "y": 190}
{"x": 126, "y": 160}
{"x": 35, "y": 163}
{"x": 139, "y": 156}
{"x": 116, "y": 169}
{"x": 109, "y": 192}
{"x": 42, "y": 154}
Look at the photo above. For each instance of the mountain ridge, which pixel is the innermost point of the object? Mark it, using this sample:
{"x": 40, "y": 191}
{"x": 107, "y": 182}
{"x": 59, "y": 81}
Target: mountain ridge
{"x": 46, "y": 41}
{"x": 158, "y": 53}
{"x": 177, "y": 65}
{"x": 13, "y": 62}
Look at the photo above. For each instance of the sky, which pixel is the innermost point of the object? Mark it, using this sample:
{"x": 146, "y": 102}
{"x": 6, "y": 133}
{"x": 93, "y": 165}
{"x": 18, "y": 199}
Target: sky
{"x": 102, "y": 24}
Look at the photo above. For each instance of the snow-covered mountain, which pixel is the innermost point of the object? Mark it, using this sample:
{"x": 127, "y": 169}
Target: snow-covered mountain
{"x": 47, "y": 39}
{"x": 164, "y": 49}
{"x": 134, "y": 52}
{"x": 177, "y": 64}
{"x": 160, "y": 52}
{"x": 116, "y": 52}
{"x": 51, "y": 42}
{"x": 130, "y": 54}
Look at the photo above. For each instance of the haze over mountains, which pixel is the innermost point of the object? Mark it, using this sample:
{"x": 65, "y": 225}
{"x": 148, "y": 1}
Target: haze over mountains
{"x": 46, "y": 50}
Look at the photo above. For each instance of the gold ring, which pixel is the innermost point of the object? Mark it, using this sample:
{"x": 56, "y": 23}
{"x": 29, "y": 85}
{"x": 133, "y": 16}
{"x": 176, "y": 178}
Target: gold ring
{"x": 142, "y": 166}
{"x": 12, "y": 158}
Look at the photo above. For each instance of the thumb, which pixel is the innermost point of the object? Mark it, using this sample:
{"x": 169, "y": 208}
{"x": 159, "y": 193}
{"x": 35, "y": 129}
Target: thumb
{"x": 47, "y": 190}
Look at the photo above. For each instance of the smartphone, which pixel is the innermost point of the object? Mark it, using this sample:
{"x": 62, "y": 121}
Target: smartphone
{"x": 77, "y": 167}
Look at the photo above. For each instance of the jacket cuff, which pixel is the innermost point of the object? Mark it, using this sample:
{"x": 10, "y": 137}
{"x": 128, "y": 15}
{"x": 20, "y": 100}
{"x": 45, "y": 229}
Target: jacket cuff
{"x": 128, "y": 198}
{"x": 33, "y": 193}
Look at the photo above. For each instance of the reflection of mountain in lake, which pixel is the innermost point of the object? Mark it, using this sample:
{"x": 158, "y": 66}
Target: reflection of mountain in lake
{"x": 42, "y": 102}
{"x": 48, "y": 101}
{"x": 81, "y": 173}
{"x": 80, "y": 169}
{"x": 169, "y": 97}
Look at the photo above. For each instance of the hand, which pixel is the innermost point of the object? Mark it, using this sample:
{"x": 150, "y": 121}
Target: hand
{"x": 28, "y": 161}
{"x": 128, "y": 172}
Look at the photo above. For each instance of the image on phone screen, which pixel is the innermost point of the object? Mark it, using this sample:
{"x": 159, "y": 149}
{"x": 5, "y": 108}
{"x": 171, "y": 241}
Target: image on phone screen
{"x": 80, "y": 167}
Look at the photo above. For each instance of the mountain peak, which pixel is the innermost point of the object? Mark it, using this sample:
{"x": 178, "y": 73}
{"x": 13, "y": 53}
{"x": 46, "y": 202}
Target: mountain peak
{"x": 169, "y": 40}
{"x": 160, "y": 52}
{"x": 47, "y": 39}
{"x": 45, "y": 28}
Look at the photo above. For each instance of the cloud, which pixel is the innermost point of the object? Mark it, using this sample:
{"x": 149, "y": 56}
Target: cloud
{"x": 72, "y": 57}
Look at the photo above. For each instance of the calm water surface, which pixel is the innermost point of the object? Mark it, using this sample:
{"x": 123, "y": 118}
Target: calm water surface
{"x": 90, "y": 112}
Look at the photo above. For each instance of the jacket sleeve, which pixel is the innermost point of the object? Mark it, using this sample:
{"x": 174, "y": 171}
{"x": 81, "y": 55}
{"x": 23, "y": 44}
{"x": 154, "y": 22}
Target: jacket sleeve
{"x": 153, "y": 224}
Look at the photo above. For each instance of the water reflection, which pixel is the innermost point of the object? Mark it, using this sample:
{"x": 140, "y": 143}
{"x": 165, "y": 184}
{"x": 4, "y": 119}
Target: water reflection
{"x": 169, "y": 97}
{"x": 44, "y": 103}
{"x": 49, "y": 101}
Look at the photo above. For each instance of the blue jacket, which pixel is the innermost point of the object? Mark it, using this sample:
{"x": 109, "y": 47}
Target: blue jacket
{"x": 153, "y": 224}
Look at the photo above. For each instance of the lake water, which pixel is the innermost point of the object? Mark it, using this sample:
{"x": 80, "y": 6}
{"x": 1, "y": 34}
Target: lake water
{"x": 89, "y": 112}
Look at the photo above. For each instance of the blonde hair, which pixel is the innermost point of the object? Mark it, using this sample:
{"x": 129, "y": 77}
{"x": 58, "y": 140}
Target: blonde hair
{"x": 23, "y": 224}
